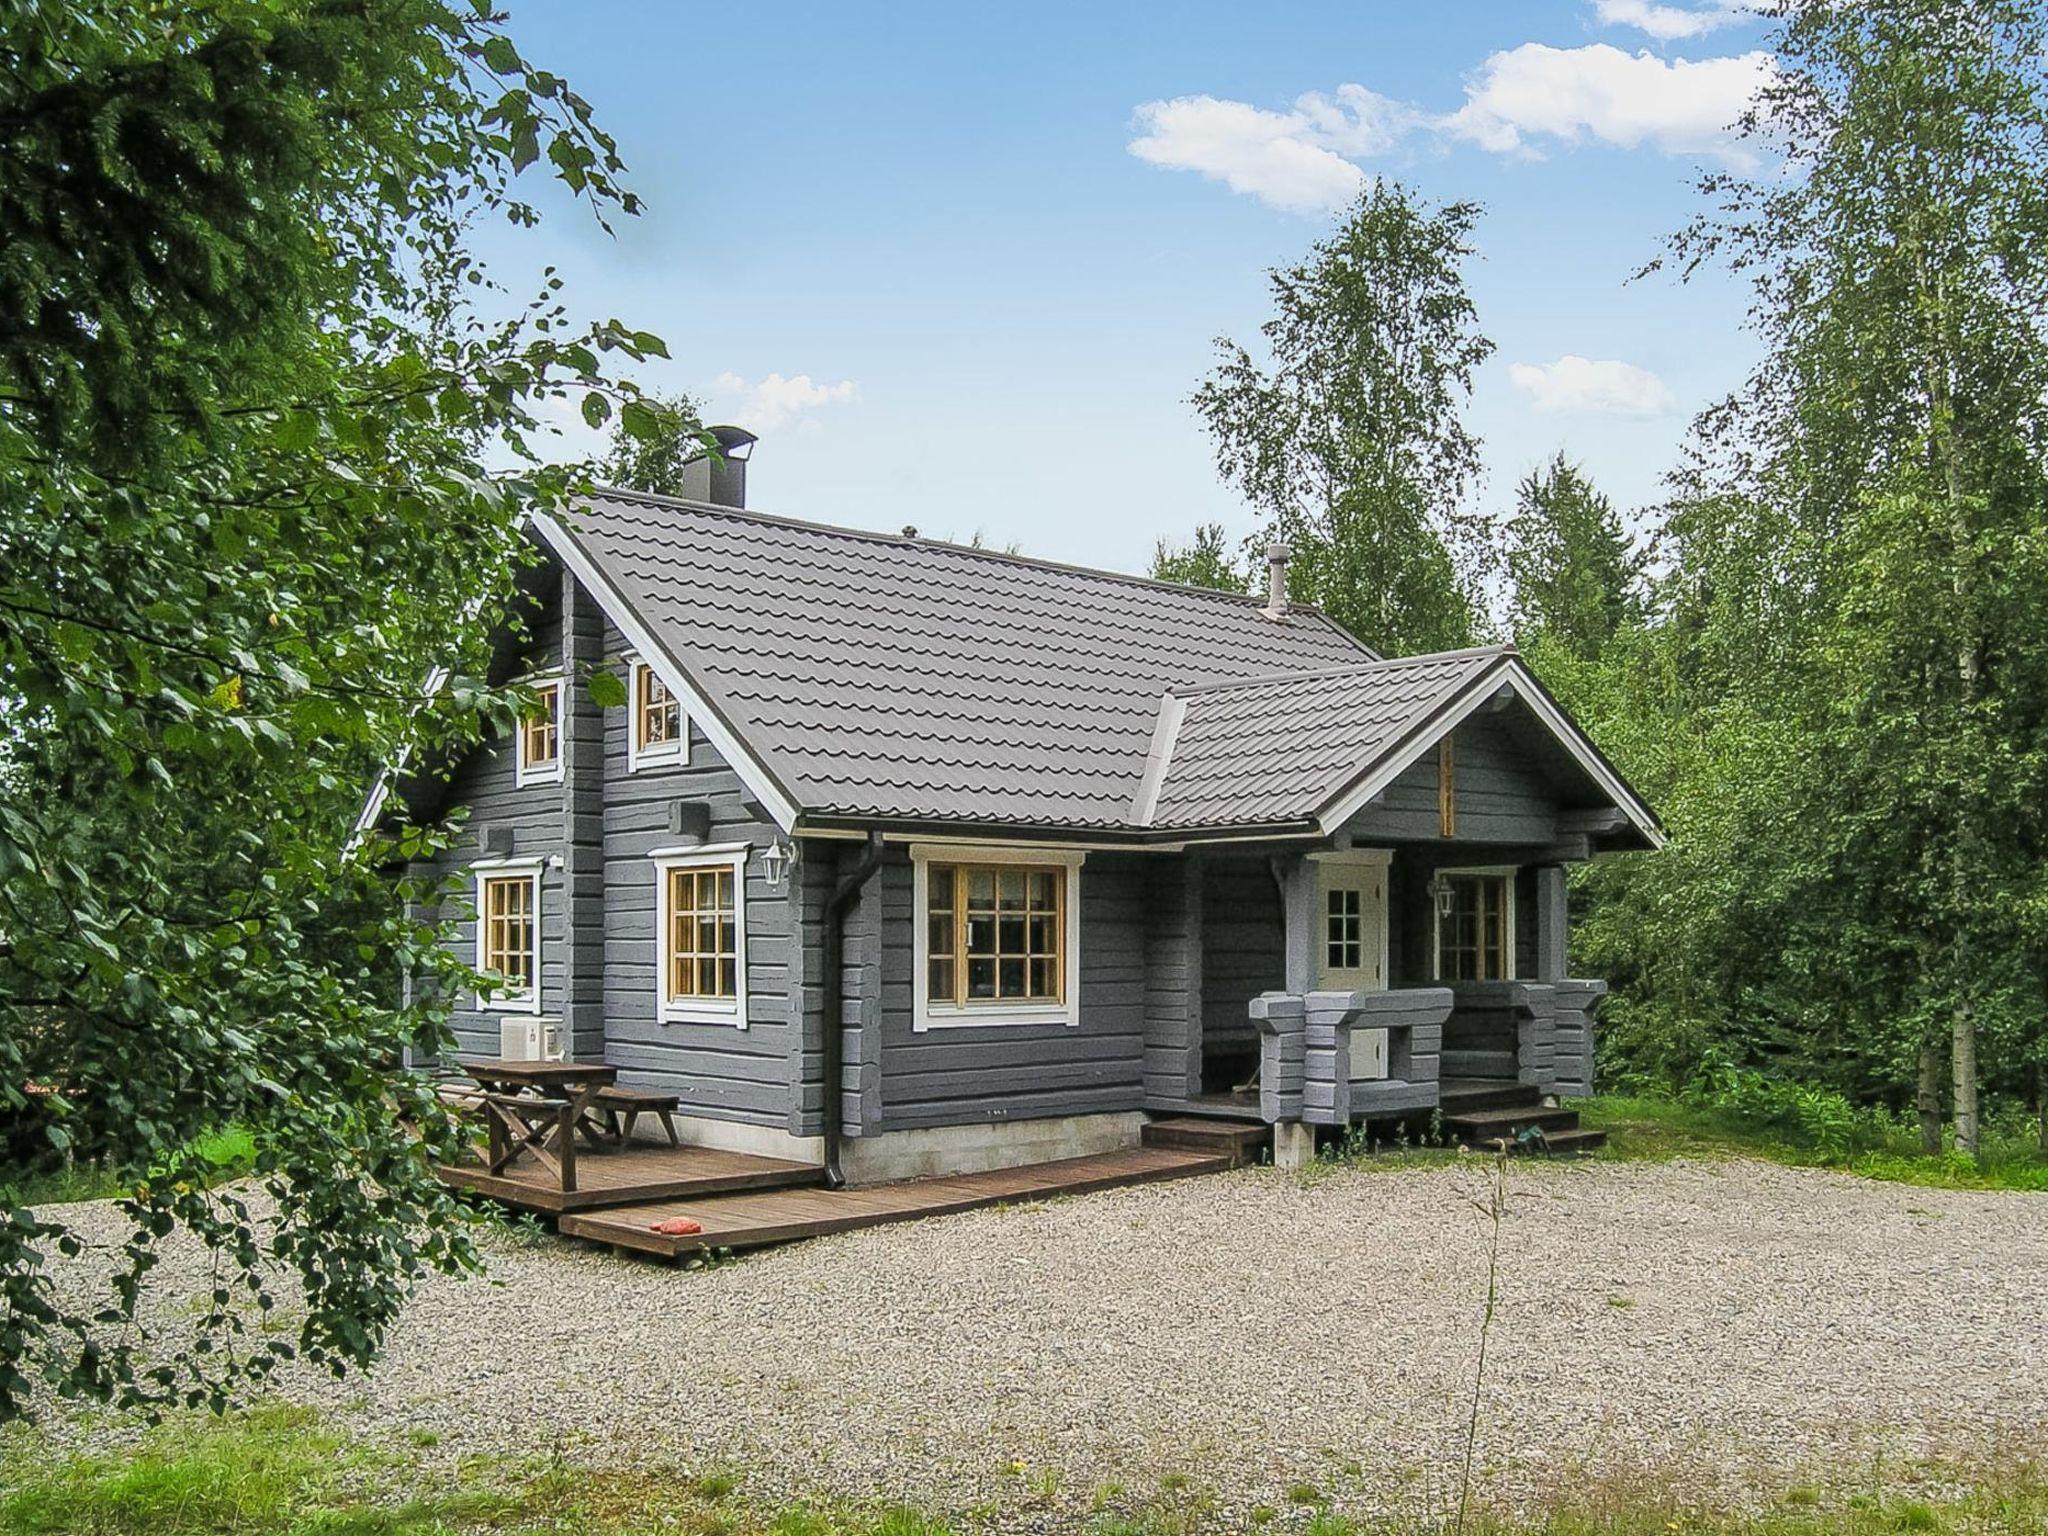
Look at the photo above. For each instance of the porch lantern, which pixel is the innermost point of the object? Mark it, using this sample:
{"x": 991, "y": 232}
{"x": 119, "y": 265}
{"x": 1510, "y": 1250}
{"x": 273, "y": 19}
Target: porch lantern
{"x": 775, "y": 862}
{"x": 1446, "y": 897}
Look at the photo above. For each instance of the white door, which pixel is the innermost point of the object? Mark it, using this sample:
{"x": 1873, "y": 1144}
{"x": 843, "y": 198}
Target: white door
{"x": 1352, "y": 896}
{"x": 1352, "y": 899}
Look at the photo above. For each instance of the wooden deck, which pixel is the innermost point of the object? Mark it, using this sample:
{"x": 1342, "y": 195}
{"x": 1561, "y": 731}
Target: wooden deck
{"x": 781, "y": 1216}
{"x": 640, "y": 1172}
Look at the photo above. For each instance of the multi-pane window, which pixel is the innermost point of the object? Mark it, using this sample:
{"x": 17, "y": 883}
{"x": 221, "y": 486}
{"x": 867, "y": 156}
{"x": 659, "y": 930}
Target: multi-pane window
{"x": 700, "y": 945}
{"x": 540, "y": 734}
{"x": 1344, "y": 930}
{"x": 657, "y": 714}
{"x": 995, "y": 933}
{"x": 1474, "y": 941}
{"x": 508, "y": 934}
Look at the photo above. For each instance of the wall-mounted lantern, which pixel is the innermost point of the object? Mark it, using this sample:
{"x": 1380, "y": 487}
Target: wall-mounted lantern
{"x": 775, "y": 862}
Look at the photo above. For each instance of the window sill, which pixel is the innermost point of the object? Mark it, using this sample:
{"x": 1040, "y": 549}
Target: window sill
{"x": 729, "y": 1014}
{"x": 526, "y": 778}
{"x": 995, "y": 1017}
{"x": 656, "y": 757}
{"x": 507, "y": 1005}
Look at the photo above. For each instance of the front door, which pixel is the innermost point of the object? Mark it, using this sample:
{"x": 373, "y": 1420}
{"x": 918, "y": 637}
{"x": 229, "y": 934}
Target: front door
{"x": 1352, "y": 897}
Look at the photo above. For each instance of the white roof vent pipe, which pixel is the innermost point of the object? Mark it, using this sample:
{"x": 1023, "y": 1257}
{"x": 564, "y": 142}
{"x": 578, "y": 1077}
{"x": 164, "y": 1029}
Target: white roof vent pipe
{"x": 1277, "y": 556}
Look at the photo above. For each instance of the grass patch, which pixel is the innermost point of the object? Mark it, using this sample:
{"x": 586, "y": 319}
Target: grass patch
{"x": 229, "y": 1154}
{"x": 287, "y": 1472}
{"x": 1657, "y": 1129}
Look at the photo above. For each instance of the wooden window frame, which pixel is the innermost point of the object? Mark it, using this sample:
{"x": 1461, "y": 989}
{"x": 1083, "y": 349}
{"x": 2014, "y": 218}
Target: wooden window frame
{"x": 729, "y": 1011}
{"x": 509, "y": 871}
{"x": 929, "y": 1012}
{"x": 526, "y": 769}
{"x": 1507, "y": 874}
{"x": 675, "y": 752}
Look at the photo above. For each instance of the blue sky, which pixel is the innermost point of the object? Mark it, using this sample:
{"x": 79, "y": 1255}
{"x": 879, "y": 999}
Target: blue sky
{"x": 962, "y": 266}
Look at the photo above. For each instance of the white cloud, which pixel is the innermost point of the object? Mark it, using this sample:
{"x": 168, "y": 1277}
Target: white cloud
{"x": 1294, "y": 160}
{"x": 1580, "y": 386}
{"x": 776, "y": 401}
{"x": 1599, "y": 92}
{"x": 1304, "y": 159}
{"x": 1669, "y": 22}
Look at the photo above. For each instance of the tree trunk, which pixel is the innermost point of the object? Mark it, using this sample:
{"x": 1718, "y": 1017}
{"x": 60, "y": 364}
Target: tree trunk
{"x": 1928, "y": 1099}
{"x": 1943, "y": 351}
{"x": 1965, "y": 1058}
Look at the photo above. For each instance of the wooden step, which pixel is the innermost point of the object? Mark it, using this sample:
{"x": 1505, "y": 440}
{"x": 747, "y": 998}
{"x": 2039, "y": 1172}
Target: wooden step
{"x": 1240, "y": 1140}
{"x": 1485, "y": 1124}
{"x": 1464, "y": 1097}
{"x": 1555, "y": 1143}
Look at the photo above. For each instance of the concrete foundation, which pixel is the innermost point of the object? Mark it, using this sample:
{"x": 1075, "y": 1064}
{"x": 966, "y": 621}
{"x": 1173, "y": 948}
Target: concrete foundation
{"x": 948, "y": 1149}
{"x": 1294, "y": 1144}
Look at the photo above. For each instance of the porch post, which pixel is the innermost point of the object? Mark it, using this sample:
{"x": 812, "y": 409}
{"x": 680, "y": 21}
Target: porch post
{"x": 1552, "y": 962}
{"x": 1298, "y": 912}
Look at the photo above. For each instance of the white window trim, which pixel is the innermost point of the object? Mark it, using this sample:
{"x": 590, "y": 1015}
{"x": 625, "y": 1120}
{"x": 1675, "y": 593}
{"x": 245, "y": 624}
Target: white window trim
{"x": 499, "y": 869}
{"x": 699, "y": 1010}
{"x": 670, "y": 754}
{"x": 1436, "y": 917}
{"x": 523, "y": 772}
{"x": 928, "y": 1015}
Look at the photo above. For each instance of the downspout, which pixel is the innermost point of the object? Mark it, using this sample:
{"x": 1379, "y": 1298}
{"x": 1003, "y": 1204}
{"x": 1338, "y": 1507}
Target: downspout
{"x": 844, "y": 895}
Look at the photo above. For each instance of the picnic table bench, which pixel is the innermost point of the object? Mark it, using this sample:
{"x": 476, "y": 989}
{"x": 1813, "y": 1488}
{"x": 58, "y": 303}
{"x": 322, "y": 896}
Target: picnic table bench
{"x": 538, "y": 1107}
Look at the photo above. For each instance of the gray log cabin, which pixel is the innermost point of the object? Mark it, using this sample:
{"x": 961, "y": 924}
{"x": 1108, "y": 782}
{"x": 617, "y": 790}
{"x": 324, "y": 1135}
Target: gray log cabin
{"x": 905, "y": 857}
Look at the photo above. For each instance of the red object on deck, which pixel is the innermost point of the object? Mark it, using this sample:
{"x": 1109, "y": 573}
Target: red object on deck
{"x": 677, "y": 1226}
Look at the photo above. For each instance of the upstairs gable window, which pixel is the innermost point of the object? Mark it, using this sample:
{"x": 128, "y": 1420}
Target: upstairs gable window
{"x": 539, "y": 759}
{"x": 659, "y": 728}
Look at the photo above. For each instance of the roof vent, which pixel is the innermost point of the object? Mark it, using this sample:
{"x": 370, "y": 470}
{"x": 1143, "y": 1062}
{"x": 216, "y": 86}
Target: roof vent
{"x": 721, "y": 477}
{"x": 1277, "y": 556}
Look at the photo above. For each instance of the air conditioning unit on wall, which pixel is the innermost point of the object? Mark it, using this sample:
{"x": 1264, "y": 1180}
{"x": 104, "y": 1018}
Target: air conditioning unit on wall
{"x": 530, "y": 1039}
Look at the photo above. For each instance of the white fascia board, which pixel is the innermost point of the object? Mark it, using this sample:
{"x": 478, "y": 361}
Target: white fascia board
{"x": 752, "y": 773}
{"x": 380, "y": 790}
{"x": 1159, "y": 759}
{"x": 1483, "y": 687}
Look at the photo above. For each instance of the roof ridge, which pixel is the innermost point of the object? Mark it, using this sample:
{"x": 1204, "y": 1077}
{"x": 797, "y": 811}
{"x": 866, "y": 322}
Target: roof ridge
{"x": 1354, "y": 669}
{"x": 875, "y": 536}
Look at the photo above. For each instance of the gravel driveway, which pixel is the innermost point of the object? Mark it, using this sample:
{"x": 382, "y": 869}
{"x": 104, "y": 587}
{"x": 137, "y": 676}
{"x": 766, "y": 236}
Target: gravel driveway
{"x": 1737, "y": 1325}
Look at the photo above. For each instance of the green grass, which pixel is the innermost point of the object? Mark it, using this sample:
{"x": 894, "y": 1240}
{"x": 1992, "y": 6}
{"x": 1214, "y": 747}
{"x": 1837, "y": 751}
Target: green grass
{"x": 1657, "y": 1129}
{"x": 287, "y": 1472}
{"x": 230, "y": 1153}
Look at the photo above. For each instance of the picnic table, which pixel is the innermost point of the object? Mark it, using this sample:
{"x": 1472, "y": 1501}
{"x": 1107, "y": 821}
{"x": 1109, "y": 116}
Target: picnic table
{"x": 538, "y": 1107}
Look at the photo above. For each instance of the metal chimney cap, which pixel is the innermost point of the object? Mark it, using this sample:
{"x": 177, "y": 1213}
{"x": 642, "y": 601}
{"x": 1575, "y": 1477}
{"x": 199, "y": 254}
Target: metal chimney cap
{"x": 733, "y": 442}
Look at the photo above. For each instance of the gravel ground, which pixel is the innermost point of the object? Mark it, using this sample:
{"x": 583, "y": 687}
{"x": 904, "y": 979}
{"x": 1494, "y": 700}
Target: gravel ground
{"x": 1737, "y": 1326}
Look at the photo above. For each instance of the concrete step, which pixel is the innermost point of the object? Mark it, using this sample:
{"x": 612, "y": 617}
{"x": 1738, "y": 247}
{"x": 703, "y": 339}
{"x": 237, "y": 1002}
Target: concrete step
{"x": 1240, "y": 1140}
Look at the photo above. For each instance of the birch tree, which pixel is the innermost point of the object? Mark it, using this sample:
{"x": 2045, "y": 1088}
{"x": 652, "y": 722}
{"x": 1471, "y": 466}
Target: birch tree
{"x": 1349, "y": 437}
{"x": 1888, "y": 456}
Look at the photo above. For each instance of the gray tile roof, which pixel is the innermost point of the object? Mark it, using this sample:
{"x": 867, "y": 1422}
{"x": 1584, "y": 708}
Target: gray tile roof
{"x": 1280, "y": 749}
{"x": 888, "y": 677}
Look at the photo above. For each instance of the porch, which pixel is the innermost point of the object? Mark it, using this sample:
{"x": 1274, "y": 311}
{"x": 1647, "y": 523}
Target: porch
{"x": 1312, "y": 992}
